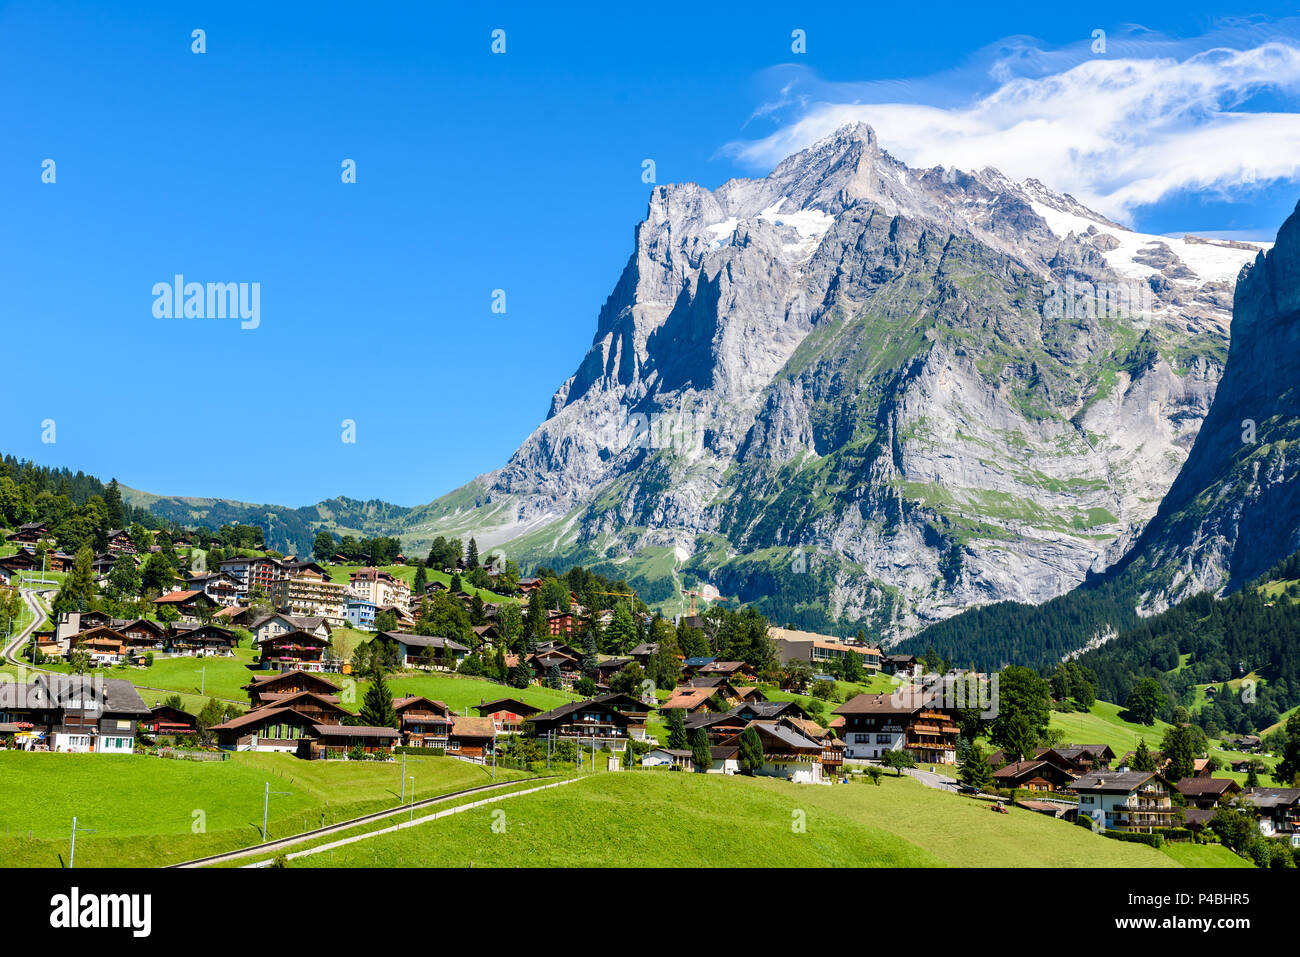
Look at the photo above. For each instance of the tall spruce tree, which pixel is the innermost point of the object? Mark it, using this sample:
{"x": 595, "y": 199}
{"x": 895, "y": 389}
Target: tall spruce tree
{"x": 751, "y": 751}
{"x": 677, "y": 739}
{"x": 701, "y": 757}
{"x": 377, "y": 707}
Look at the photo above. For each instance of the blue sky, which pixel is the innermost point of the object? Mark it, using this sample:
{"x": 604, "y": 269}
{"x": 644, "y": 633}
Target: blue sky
{"x": 519, "y": 171}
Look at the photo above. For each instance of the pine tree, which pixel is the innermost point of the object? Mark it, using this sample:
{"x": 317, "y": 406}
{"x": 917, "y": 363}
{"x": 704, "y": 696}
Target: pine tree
{"x": 113, "y": 505}
{"x": 1142, "y": 758}
{"x": 536, "y": 625}
{"x": 677, "y": 739}
{"x": 751, "y": 751}
{"x": 701, "y": 757}
{"x": 975, "y": 770}
{"x": 377, "y": 707}
{"x": 421, "y": 580}
{"x": 471, "y": 555}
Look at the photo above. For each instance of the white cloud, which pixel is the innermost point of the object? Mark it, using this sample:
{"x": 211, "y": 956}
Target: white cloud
{"x": 1118, "y": 132}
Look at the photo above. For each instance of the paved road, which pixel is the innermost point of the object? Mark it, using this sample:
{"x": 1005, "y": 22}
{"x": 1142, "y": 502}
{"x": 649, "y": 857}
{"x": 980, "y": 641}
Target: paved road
{"x": 38, "y": 616}
{"x": 936, "y": 781}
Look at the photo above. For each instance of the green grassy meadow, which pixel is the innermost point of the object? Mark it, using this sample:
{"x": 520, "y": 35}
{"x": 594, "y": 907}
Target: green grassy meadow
{"x": 142, "y": 810}
{"x": 668, "y": 819}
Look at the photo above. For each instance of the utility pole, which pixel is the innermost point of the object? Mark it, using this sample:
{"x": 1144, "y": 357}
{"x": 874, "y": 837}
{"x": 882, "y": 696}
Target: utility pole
{"x": 72, "y": 851}
{"x": 266, "y": 803}
{"x": 402, "y": 800}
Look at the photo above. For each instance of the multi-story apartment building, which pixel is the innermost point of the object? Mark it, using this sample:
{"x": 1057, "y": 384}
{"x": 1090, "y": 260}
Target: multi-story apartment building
{"x": 311, "y": 594}
{"x": 821, "y": 650}
{"x": 252, "y": 573}
{"x": 379, "y": 587}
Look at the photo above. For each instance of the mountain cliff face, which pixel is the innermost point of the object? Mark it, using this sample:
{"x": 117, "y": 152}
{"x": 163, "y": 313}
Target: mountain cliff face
{"x": 1234, "y": 509}
{"x": 865, "y": 395}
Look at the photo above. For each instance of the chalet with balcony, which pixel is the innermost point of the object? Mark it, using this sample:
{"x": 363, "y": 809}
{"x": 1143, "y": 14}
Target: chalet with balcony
{"x": 274, "y": 688}
{"x": 508, "y": 714}
{"x": 1207, "y": 792}
{"x": 29, "y": 533}
{"x": 786, "y": 753}
{"x": 908, "y": 719}
{"x": 1278, "y": 809}
{"x": 412, "y": 648}
{"x": 1032, "y": 776}
{"x": 203, "y": 641}
{"x": 164, "y": 719}
{"x": 588, "y": 721}
{"x": 75, "y": 713}
{"x": 340, "y": 740}
{"x": 265, "y": 729}
{"x": 424, "y": 723}
{"x": 294, "y": 650}
{"x": 471, "y": 737}
{"x": 1126, "y": 800}
{"x": 190, "y": 605}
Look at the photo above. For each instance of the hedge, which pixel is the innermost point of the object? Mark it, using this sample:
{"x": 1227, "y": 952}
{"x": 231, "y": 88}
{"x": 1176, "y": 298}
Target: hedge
{"x": 1135, "y": 837}
{"x": 412, "y": 749}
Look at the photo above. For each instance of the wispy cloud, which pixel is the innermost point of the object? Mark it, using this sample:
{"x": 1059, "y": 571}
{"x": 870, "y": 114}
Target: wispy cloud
{"x": 1151, "y": 117}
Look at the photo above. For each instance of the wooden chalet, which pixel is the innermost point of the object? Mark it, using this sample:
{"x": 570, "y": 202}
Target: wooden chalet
{"x": 786, "y": 752}
{"x": 1033, "y": 776}
{"x": 265, "y": 729}
{"x": 471, "y": 737}
{"x": 164, "y": 719}
{"x": 204, "y": 641}
{"x": 266, "y": 690}
{"x": 588, "y": 721}
{"x": 338, "y": 740}
{"x": 294, "y": 650}
{"x": 1206, "y": 792}
{"x": 191, "y": 605}
{"x": 509, "y": 714}
{"x": 29, "y": 533}
{"x": 424, "y": 723}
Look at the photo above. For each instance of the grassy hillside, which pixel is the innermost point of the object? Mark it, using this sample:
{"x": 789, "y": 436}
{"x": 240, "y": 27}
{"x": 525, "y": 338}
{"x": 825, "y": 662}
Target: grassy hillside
{"x": 1103, "y": 725}
{"x": 665, "y": 819}
{"x": 143, "y": 809}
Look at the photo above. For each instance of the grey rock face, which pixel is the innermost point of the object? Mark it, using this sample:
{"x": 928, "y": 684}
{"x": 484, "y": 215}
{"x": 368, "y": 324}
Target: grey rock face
{"x": 1234, "y": 509}
{"x": 928, "y": 389}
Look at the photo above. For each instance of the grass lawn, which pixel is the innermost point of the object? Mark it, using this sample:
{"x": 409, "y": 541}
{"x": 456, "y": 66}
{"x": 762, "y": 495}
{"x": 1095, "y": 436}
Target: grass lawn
{"x": 1204, "y": 855}
{"x": 340, "y": 573}
{"x": 1103, "y": 725}
{"x": 219, "y": 677}
{"x": 459, "y": 692}
{"x": 664, "y": 819}
{"x": 142, "y": 809}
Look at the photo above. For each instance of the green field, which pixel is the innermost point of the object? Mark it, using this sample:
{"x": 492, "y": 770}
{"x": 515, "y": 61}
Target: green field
{"x": 142, "y": 809}
{"x": 1103, "y": 725}
{"x": 1205, "y": 855}
{"x": 340, "y": 573}
{"x": 666, "y": 819}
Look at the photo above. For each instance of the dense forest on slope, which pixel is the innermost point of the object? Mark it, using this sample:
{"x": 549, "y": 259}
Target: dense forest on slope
{"x": 1036, "y": 636}
{"x": 1252, "y": 634}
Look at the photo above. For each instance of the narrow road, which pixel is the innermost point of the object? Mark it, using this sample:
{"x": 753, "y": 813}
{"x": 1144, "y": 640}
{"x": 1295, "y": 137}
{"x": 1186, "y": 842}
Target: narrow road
{"x": 38, "y": 616}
